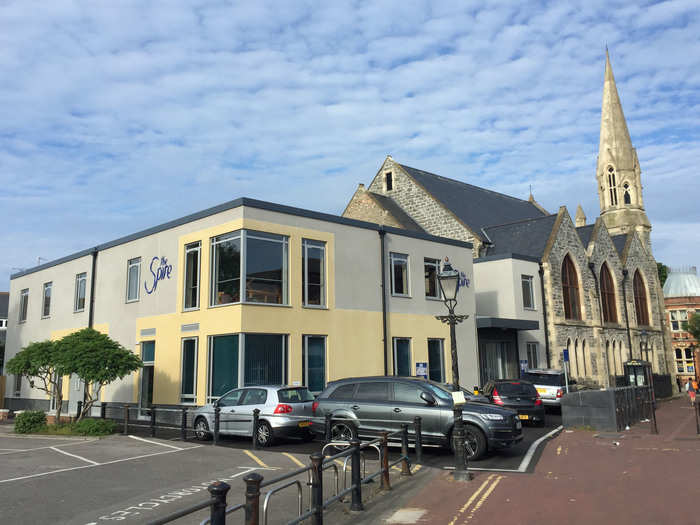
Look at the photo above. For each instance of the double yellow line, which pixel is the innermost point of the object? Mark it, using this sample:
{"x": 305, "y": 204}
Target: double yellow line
{"x": 485, "y": 490}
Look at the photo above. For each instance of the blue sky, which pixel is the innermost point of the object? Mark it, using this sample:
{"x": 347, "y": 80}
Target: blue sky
{"x": 117, "y": 118}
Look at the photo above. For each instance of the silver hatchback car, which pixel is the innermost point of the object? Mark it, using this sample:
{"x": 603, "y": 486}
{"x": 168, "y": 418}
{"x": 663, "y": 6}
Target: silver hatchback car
{"x": 284, "y": 411}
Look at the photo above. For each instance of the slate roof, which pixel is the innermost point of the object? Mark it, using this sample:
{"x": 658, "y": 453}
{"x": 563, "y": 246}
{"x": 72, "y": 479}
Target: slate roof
{"x": 619, "y": 242}
{"x": 4, "y": 303}
{"x": 396, "y": 211}
{"x": 528, "y": 237}
{"x": 584, "y": 233}
{"x": 476, "y": 207}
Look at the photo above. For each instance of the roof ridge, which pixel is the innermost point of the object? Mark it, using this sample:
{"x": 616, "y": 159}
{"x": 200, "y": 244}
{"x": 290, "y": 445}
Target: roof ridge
{"x": 520, "y": 221}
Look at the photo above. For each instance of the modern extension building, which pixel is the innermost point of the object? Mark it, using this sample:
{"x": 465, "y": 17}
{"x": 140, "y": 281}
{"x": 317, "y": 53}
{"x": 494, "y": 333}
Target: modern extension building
{"x": 249, "y": 293}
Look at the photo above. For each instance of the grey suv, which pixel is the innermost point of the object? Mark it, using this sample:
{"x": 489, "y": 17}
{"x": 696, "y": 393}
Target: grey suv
{"x": 364, "y": 406}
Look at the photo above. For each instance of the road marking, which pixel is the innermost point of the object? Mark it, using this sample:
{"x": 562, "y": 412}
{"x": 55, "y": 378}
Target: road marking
{"x": 255, "y": 458}
{"x": 294, "y": 460}
{"x": 559, "y": 450}
{"x": 60, "y": 438}
{"x": 18, "y": 450}
{"x": 484, "y": 497}
{"x": 155, "y": 442}
{"x": 86, "y": 460}
{"x": 470, "y": 500}
{"x": 531, "y": 451}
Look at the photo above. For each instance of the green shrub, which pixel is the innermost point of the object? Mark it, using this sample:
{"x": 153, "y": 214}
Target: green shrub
{"x": 30, "y": 421}
{"x": 94, "y": 427}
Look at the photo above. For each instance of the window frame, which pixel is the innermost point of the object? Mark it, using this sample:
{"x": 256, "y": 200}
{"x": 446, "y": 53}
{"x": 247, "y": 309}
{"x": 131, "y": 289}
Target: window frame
{"x": 388, "y": 180}
{"x": 393, "y": 257}
{"x": 305, "y": 245}
{"x": 23, "y": 305}
{"x": 305, "y": 361}
{"x": 530, "y": 280}
{"x": 608, "y": 299}
{"x": 192, "y": 247}
{"x": 394, "y": 341}
{"x": 532, "y": 349}
{"x": 443, "y": 372}
{"x": 679, "y": 324}
{"x": 570, "y": 290}
{"x": 189, "y": 399}
{"x": 80, "y": 277}
{"x": 428, "y": 261}
{"x": 47, "y": 286}
{"x": 135, "y": 262}
{"x": 17, "y": 387}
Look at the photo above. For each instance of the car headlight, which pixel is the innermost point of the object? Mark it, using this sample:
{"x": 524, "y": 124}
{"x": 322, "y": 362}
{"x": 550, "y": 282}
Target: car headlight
{"x": 492, "y": 417}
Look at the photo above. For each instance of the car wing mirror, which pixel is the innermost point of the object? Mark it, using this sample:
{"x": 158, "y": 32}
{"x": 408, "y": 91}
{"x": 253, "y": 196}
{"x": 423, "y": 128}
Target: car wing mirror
{"x": 428, "y": 398}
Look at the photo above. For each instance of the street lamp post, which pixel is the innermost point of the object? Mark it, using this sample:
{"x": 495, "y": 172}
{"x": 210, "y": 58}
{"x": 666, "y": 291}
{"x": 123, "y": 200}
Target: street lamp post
{"x": 449, "y": 285}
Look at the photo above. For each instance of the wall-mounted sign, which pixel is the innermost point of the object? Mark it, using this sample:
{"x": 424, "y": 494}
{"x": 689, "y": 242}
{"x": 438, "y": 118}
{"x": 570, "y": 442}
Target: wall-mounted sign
{"x": 463, "y": 281}
{"x": 422, "y": 370}
{"x": 160, "y": 269}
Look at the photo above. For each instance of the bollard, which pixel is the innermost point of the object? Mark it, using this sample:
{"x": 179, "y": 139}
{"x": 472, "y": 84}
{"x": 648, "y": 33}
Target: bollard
{"x": 218, "y": 491}
{"x": 317, "y": 487}
{"x": 217, "y": 422}
{"x": 153, "y": 421}
{"x": 417, "y": 422}
{"x": 328, "y": 427}
{"x": 384, "y": 439}
{"x": 356, "y": 504}
{"x": 252, "y": 498}
{"x": 126, "y": 419}
{"x": 405, "y": 467}
{"x": 256, "y": 419}
{"x": 80, "y": 409}
{"x": 183, "y": 425}
{"x": 103, "y": 410}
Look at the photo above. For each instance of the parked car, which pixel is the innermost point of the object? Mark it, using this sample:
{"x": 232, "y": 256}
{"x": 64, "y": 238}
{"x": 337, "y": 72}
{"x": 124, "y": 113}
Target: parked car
{"x": 550, "y": 384}
{"x": 517, "y": 395}
{"x": 280, "y": 410}
{"x": 364, "y": 406}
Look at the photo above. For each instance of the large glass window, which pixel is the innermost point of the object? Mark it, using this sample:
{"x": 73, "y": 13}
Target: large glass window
{"x": 532, "y": 360}
{"x": 148, "y": 355}
{"x": 188, "y": 383}
{"x": 402, "y": 356}
{"x": 223, "y": 364}
{"x": 640, "y": 300}
{"x": 528, "y": 291}
{"x": 192, "y": 252}
{"x": 265, "y": 359}
{"x": 313, "y": 273}
{"x": 80, "y": 286}
{"x": 249, "y": 264}
{"x": 431, "y": 268}
{"x": 399, "y": 274}
{"x": 679, "y": 320}
{"x": 314, "y": 362}
{"x": 685, "y": 362}
{"x": 436, "y": 360}
{"x": 607, "y": 292}
{"x": 569, "y": 284}
{"x": 23, "y": 304}
{"x": 46, "y": 303}
{"x": 133, "y": 274}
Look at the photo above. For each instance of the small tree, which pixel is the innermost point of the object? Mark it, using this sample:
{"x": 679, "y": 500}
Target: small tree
{"x": 40, "y": 364}
{"x": 97, "y": 359}
{"x": 662, "y": 269}
{"x": 694, "y": 326}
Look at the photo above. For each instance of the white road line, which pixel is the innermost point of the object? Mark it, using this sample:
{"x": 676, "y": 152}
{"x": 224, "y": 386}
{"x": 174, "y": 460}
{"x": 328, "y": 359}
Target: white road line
{"x": 531, "y": 451}
{"x": 86, "y": 460}
{"x": 155, "y": 442}
{"x": 18, "y": 450}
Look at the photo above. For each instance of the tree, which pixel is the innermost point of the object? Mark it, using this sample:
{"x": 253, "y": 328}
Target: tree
{"x": 694, "y": 326}
{"x": 40, "y": 364}
{"x": 662, "y": 269}
{"x": 97, "y": 359}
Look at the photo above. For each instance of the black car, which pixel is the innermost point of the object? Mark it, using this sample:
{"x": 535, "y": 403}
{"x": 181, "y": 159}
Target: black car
{"x": 365, "y": 406}
{"x": 518, "y": 395}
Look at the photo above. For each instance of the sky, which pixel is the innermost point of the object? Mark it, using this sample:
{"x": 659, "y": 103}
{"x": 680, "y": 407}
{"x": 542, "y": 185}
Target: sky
{"x": 117, "y": 116}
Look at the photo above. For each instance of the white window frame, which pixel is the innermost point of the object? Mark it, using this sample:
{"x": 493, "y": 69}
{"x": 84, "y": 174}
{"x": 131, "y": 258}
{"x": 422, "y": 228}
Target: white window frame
{"x": 305, "y": 350}
{"x": 80, "y": 277}
{"x": 305, "y": 244}
{"x": 136, "y": 261}
{"x": 189, "y": 399}
{"x": 678, "y": 317}
{"x": 3, "y": 323}
{"x": 400, "y": 257}
{"x": 23, "y": 305}
{"x": 532, "y": 349}
{"x": 443, "y": 372}
{"x": 192, "y": 247}
{"x": 47, "y": 286}
{"x": 427, "y": 261}
{"x": 531, "y": 284}
{"x": 410, "y": 355}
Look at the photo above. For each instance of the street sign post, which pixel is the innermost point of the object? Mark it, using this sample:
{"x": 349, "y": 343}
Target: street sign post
{"x": 565, "y": 355}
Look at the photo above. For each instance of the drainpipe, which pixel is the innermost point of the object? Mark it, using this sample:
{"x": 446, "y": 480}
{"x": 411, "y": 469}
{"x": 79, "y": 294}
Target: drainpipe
{"x": 382, "y": 250}
{"x": 544, "y": 314}
{"x": 591, "y": 267}
{"x": 627, "y": 317}
{"x": 91, "y": 309}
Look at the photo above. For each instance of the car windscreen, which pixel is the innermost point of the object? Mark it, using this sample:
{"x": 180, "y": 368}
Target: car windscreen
{"x": 295, "y": 395}
{"x": 515, "y": 389}
{"x": 439, "y": 392}
{"x": 544, "y": 379}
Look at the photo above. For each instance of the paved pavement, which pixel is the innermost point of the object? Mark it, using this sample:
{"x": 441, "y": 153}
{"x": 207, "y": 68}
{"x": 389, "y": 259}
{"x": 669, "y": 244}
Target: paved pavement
{"x": 631, "y": 477}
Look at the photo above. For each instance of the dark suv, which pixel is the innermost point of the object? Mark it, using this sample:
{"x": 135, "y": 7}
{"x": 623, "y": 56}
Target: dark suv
{"x": 364, "y": 406}
{"x": 518, "y": 395}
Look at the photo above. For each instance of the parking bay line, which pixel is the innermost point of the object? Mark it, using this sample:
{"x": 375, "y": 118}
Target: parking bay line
{"x": 155, "y": 442}
{"x": 86, "y": 460}
{"x": 255, "y": 458}
{"x": 18, "y": 450}
{"x": 294, "y": 460}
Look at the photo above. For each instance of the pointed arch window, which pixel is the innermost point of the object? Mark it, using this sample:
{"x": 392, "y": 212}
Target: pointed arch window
{"x": 569, "y": 285}
{"x": 627, "y": 197}
{"x": 640, "y": 300}
{"x": 607, "y": 295}
{"x": 612, "y": 186}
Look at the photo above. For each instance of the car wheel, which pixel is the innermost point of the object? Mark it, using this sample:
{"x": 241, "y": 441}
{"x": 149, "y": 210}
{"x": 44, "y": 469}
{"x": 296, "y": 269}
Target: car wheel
{"x": 342, "y": 431}
{"x": 201, "y": 429}
{"x": 264, "y": 434}
{"x": 475, "y": 440}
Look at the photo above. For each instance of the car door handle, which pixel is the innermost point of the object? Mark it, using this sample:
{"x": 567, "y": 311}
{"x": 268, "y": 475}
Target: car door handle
{"x": 355, "y": 407}
{"x": 397, "y": 410}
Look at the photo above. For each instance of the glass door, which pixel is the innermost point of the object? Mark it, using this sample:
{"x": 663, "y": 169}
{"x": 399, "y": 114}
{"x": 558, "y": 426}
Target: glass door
{"x": 148, "y": 353}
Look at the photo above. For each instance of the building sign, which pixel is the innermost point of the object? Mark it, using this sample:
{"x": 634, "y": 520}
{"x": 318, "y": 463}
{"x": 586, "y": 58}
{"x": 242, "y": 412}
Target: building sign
{"x": 463, "y": 281}
{"x": 160, "y": 269}
{"x": 422, "y": 370}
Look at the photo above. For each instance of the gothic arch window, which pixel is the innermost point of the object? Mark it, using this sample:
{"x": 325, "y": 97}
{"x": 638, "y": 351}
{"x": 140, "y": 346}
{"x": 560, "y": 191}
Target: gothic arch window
{"x": 583, "y": 357}
{"x": 578, "y": 364}
{"x": 607, "y": 295}
{"x": 612, "y": 186}
{"x": 619, "y": 352}
{"x": 626, "y": 196}
{"x": 640, "y": 300}
{"x": 569, "y": 285}
{"x": 610, "y": 356}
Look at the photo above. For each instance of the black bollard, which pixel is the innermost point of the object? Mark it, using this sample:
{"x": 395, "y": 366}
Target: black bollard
{"x": 417, "y": 422}
{"x": 153, "y": 421}
{"x": 103, "y": 410}
{"x": 317, "y": 488}
{"x": 405, "y": 467}
{"x": 218, "y": 491}
{"x": 183, "y": 425}
{"x": 126, "y": 419}
{"x": 384, "y": 441}
{"x": 328, "y": 424}
{"x": 252, "y": 498}
{"x": 356, "y": 504}
{"x": 217, "y": 422}
{"x": 256, "y": 421}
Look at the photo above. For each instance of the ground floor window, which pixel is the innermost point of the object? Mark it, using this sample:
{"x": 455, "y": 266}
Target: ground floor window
{"x": 499, "y": 360}
{"x": 18, "y": 385}
{"x": 313, "y": 362}
{"x": 148, "y": 355}
{"x": 436, "y": 360}
{"x": 684, "y": 361}
{"x": 532, "y": 355}
{"x": 402, "y": 356}
{"x": 59, "y": 386}
{"x": 188, "y": 382}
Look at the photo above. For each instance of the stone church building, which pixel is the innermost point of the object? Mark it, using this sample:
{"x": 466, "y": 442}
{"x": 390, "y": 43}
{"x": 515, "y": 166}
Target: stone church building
{"x": 599, "y": 283}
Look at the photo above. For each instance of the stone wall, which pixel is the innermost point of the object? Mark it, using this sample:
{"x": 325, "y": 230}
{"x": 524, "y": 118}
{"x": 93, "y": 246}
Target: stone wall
{"x": 364, "y": 208}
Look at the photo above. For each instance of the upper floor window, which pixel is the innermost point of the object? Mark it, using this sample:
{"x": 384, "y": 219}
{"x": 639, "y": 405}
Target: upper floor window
{"x": 250, "y": 265}
{"x": 192, "y": 252}
{"x": 626, "y": 196}
{"x": 388, "y": 181}
{"x": 431, "y": 268}
{"x": 640, "y": 300}
{"x": 679, "y": 320}
{"x": 399, "y": 274}
{"x": 528, "y": 291}
{"x": 313, "y": 278}
{"x": 133, "y": 275}
{"x": 612, "y": 186}
{"x": 607, "y": 292}
{"x": 23, "y": 304}
{"x": 46, "y": 302}
{"x": 80, "y": 286}
{"x": 569, "y": 285}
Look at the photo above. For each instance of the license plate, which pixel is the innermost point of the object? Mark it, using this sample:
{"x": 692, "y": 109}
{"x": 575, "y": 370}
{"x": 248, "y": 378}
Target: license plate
{"x": 305, "y": 424}
{"x": 542, "y": 390}
{"x": 523, "y": 416}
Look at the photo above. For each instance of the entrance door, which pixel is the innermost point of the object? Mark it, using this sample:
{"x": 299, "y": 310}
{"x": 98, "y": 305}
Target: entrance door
{"x": 148, "y": 356}
{"x": 59, "y": 387}
{"x": 498, "y": 361}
